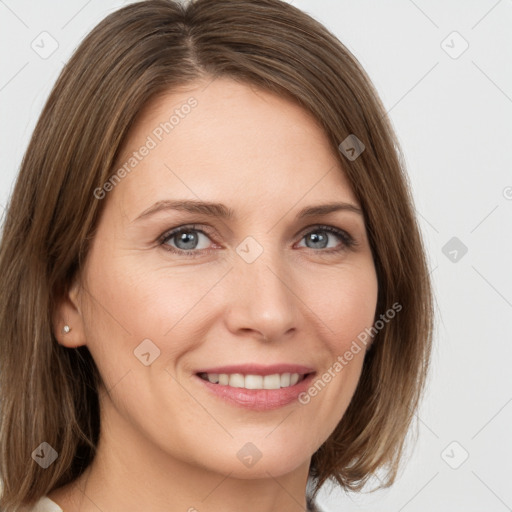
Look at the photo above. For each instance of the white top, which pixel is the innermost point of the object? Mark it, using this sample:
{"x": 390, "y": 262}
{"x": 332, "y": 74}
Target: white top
{"x": 47, "y": 505}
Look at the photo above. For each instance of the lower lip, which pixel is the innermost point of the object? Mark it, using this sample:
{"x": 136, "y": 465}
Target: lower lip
{"x": 259, "y": 399}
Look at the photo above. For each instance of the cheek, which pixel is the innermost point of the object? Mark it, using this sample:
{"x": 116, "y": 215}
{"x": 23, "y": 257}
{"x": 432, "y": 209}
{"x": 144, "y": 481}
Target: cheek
{"x": 345, "y": 302}
{"x": 352, "y": 314}
{"x": 128, "y": 302}
{"x": 346, "y": 309}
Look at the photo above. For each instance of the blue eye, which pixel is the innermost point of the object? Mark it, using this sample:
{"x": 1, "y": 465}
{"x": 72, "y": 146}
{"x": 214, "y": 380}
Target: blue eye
{"x": 186, "y": 240}
{"x": 319, "y": 237}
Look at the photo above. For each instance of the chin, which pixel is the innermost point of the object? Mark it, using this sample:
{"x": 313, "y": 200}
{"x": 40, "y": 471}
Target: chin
{"x": 256, "y": 460}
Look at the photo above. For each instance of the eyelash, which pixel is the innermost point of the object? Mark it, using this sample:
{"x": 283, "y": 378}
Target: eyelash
{"x": 347, "y": 240}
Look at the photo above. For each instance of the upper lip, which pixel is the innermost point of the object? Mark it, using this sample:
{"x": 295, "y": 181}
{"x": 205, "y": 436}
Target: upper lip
{"x": 257, "y": 369}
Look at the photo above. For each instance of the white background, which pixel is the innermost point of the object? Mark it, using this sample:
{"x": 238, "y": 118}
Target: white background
{"x": 453, "y": 117}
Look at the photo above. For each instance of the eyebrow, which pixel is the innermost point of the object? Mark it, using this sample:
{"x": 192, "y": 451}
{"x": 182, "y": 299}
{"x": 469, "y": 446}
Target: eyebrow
{"x": 219, "y": 210}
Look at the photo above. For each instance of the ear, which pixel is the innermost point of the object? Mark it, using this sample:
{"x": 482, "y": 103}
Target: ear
{"x": 68, "y": 312}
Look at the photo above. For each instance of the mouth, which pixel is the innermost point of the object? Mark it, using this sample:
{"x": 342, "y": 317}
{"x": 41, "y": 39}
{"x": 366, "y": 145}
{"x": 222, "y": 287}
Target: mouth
{"x": 254, "y": 381}
{"x": 259, "y": 390}
{"x": 257, "y": 387}
{"x": 255, "y": 376}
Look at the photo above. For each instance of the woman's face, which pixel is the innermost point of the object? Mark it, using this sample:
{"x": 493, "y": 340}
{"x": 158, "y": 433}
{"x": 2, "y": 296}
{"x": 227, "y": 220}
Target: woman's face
{"x": 267, "y": 286}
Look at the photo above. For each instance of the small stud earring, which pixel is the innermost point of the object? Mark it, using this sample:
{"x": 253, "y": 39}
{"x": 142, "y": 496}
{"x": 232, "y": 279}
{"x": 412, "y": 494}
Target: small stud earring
{"x": 66, "y": 329}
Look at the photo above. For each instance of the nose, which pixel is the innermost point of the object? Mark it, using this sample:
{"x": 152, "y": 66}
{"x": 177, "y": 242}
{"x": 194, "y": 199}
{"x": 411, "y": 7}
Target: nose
{"x": 260, "y": 298}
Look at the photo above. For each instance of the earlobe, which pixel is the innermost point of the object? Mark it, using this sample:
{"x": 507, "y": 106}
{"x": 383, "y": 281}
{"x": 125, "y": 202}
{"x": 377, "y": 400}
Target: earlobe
{"x": 67, "y": 318}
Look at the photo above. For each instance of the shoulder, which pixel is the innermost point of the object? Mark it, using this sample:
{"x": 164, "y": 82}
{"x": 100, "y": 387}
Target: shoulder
{"x": 46, "y": 505}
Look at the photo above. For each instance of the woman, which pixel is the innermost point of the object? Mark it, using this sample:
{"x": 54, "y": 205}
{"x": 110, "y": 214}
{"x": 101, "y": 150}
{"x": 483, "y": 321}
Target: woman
{"x": 214, "y": 290}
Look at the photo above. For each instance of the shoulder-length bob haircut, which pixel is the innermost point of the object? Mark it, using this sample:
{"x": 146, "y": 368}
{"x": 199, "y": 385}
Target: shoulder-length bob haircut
{"x": 49, "y": 392}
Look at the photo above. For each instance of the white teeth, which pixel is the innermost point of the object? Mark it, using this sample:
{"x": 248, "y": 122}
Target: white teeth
{"x": 272, "y": 381}
{"x": 223, "y": 379}
{"x": 285, "y": 380}
{"x": 237, "y": 380}
{"x": 253, "y": 382}
{"x": 213, "y": 377}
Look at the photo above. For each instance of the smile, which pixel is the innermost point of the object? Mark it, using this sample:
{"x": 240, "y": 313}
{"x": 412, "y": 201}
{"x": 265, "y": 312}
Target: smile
{"x": 238, "y": 380}
{"x": 256, "y": 387}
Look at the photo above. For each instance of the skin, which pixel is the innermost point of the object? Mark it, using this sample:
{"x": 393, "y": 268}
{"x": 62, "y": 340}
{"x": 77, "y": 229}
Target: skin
{"x": 166, "y": 443}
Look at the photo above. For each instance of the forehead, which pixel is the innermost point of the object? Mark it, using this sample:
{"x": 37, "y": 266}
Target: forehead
{"x": 230, "y": 142}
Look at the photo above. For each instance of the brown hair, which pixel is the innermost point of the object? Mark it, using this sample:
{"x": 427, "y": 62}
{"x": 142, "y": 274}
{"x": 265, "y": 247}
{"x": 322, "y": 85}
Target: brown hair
{"x": 49, "y": 393}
